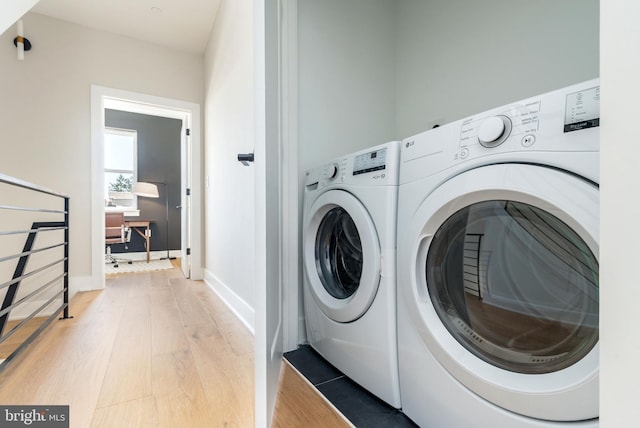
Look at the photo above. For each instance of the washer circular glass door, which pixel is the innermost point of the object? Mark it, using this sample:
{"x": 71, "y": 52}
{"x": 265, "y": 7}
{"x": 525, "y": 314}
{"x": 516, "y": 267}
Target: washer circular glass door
{"x": 341, "y": 255}
{"x": 507, "y": 283}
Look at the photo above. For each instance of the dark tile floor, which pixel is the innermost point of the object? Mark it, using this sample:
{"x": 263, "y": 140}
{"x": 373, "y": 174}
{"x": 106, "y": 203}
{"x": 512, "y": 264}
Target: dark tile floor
{"x": 358, "y": 405}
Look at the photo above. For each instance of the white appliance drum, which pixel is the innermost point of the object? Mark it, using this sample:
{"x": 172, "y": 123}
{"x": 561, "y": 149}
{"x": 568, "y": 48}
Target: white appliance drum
{"x": 341, "y": 256}
{"x": 506, "y": 287}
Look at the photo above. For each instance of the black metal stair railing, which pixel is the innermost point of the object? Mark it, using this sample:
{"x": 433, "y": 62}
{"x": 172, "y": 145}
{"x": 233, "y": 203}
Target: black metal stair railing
{"x": 39, "y": 285}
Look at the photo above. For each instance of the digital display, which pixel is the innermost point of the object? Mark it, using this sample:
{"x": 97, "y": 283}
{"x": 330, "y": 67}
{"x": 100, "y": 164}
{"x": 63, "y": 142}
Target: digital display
{"x": 582, "y": 110}
{"x": 368, "y": 162}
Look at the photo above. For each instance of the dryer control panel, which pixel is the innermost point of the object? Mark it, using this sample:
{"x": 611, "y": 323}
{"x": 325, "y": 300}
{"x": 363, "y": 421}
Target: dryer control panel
{"x": 515, "y": 121}
{"x": 548, "y": 116}
{"x": 564, "y": 122}
{"x": 582, "y": 110}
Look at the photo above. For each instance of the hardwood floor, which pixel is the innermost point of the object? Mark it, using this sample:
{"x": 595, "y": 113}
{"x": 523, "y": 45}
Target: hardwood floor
{"x": 154, "y": 350}
{"x": 8, "y": 346}
{"x": 151, "y": 350}
{"x": 299, "y": 404}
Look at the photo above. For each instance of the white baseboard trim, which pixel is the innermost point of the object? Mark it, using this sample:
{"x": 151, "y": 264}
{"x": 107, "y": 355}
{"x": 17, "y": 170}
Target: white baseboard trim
{"x": 236, "y": 304}
{"x": 302, "y": 330}
{"x": 84, "y": 283}
{"x": 153, "y": 255}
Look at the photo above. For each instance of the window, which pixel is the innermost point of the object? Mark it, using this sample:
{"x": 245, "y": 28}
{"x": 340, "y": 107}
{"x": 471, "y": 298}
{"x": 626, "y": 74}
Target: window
{"x": 120, "y": 167}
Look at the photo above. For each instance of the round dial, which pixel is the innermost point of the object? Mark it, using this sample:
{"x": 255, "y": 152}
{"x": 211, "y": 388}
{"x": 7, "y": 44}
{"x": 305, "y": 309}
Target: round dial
{"x": 332, "y": 171}
{"x": 494, "y": 130}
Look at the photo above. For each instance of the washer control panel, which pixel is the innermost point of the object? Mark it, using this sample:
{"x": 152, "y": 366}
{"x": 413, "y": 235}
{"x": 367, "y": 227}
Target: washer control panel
{"x": 374, "y": 161}
{"x": 371, "y": 161}
{"x": 379, "y": 165}
{"x": 334, "y": 171}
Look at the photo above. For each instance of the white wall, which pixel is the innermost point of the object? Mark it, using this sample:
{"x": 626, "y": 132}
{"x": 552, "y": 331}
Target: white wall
{"x": 456, "y": 58}
{"x": 230, "y": 192}
{"x": 45, "y": 130}
{"x": 11, "y": 11}
{"x": 620, "y": 213}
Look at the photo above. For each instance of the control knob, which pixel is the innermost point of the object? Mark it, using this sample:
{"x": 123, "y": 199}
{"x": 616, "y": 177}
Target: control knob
{"x": 494, "y": 130}
{"x": 332, "y": 171}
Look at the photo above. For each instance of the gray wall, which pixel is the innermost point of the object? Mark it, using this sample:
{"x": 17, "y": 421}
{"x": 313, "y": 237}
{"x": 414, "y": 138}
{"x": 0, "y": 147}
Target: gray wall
{"x": 346, "y": 67}
{"x": 371, "y": 71}
{"x": 457, "y": 58}
{"x": 158, "y": 162}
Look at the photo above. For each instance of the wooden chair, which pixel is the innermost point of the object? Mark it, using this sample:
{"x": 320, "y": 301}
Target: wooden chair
{"x": 115, "y": 232}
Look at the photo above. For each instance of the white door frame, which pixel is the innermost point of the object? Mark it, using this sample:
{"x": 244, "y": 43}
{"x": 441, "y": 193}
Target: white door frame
{"x": 102, "y": 97}
{"x": 293, "y": 322}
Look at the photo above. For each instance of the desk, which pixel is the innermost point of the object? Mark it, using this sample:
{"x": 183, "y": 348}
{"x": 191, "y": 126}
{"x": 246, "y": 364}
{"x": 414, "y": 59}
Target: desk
{"x": 138, "y": 225}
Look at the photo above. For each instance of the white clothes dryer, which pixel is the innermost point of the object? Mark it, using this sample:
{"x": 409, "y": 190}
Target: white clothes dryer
{"x": 349, "y": 252}
{"x": 498, "y": 237}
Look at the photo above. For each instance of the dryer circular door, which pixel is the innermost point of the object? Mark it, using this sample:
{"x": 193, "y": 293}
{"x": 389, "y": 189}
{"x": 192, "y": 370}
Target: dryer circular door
{"x": 341, "y": 254}
{"x": 506, "y": 287}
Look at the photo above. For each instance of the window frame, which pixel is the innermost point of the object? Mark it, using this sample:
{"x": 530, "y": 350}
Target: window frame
{"x": 133, "y": 134}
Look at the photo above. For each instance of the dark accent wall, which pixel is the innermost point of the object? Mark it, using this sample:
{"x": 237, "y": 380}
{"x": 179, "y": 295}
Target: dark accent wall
{"x": 158, "y": 162}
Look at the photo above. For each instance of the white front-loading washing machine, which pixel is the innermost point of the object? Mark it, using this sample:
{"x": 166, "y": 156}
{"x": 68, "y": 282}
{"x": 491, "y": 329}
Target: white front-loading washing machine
{"x": 349, "y": 252}
{"x": 498, "y": 239}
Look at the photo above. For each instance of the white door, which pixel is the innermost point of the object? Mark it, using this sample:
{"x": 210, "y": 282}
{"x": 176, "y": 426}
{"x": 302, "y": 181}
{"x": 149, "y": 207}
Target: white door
{"x": 185, "y": 199}
{"x": 506, "y": 289}
{"x": 267, "y": 139}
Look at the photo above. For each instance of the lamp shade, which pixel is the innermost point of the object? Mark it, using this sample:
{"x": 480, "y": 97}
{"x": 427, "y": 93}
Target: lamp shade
{"x": 148, "y": 190}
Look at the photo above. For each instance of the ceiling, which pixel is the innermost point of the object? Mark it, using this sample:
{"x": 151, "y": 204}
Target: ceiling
{"x": 180, "y": 24}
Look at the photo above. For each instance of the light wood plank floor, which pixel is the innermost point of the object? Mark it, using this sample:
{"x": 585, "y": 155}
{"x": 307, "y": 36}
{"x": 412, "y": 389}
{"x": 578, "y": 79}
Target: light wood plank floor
{"x": 151, "y": 350}
{"x": 155, "y": 350}
{"x": 299, "y": 404}
{"x": 16, "y": 339}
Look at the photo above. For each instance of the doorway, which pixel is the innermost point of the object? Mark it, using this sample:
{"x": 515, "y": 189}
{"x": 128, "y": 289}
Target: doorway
{"x": 190, "y": 190}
